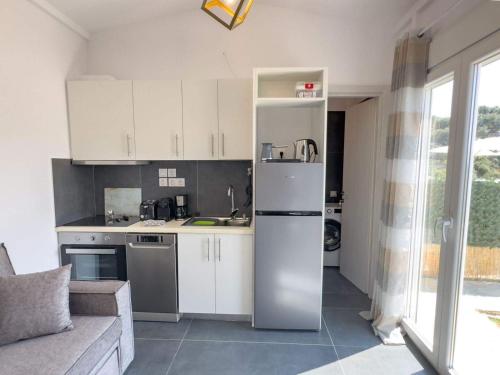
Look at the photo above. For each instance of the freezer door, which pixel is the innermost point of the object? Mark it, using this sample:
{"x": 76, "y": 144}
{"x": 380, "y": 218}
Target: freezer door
{"x": 289, "y": 186}
{"x": 288, "y": 272}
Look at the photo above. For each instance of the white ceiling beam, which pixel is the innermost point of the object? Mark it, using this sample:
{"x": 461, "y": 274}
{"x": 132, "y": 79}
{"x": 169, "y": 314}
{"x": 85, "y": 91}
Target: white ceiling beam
{"x": 61, "y": 17}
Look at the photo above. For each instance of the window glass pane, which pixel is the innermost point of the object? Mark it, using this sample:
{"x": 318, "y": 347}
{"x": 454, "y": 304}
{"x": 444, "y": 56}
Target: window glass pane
{"x": 477, "y": 340}
{"x": 433, "y": 165}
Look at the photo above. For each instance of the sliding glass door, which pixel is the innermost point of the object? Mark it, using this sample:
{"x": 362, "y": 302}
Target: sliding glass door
{"x": 431, "y": 191}
{"x": 454, "y": 284}
{"x": 477, "y": 330}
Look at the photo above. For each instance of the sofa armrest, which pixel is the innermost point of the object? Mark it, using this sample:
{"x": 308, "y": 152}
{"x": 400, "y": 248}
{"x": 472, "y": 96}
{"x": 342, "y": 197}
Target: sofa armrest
{"x": 106, "y": 298}
{"x": 96, "y": 297}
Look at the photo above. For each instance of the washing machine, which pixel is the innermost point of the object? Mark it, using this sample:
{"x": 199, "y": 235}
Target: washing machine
{"x": 333, "y": 219}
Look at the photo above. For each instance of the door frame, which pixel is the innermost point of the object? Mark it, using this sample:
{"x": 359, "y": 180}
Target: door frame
{"x": 382, "y": 93}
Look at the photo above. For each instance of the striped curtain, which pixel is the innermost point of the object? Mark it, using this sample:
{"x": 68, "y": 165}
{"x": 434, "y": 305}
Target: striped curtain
{"x": 408, "y": 80}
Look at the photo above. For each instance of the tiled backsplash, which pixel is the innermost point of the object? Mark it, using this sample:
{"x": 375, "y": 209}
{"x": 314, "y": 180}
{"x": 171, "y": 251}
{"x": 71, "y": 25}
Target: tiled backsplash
{"x": 206, "y": 184}
{"x": 73, "y": 191}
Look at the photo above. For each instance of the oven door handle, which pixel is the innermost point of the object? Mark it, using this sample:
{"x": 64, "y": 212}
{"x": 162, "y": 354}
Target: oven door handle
{"x": 76, "y": 251}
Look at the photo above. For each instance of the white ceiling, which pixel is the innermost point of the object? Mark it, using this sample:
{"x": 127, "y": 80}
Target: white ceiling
{"x": 95, "y": 15}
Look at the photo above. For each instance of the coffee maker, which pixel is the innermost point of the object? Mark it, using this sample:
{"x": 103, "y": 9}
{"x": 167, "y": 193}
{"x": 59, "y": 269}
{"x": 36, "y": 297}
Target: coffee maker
{"x": 181, "y": 207}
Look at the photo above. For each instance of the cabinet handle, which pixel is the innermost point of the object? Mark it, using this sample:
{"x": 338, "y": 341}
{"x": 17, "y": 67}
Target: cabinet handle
{"x": 213, "y": 145}
{"x": 223, "y": 144}
{"x": 219, "y": 249}
{"x": 177, "y": 145}
{"x": 128, "y": 145}
{"x": 208, "y": 252}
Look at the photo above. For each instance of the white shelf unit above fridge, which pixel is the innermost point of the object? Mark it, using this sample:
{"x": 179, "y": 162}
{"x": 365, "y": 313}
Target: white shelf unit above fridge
{"x": 281, "y": 118}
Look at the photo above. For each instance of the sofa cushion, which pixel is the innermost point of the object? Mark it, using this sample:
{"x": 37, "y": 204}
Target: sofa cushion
{"x": 74, "y": 352}
{"x": 6, "y": 268}
{"x": 34, "y": 304}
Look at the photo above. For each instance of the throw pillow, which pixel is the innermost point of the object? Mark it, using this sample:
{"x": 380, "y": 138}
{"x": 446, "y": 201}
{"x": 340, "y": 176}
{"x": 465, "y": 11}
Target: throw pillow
{"x": 34, "y": 304}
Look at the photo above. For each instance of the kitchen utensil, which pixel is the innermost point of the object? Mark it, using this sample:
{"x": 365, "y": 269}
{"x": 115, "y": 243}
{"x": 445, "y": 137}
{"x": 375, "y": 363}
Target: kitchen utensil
{"x": 148, "y": 209}
{"x": 181, "y": 207}
{"x": 267, "y": 151}
{"x": 302, "y": 150}
{"x": 166, "y": 209}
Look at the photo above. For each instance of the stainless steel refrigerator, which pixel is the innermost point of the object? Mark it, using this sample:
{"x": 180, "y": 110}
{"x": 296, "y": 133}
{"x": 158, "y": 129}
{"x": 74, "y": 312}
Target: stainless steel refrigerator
{"x": 288, "y": 245}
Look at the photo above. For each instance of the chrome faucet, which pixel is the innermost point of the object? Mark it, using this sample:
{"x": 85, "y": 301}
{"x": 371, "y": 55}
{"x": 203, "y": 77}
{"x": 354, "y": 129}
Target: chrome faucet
{"x": 230, "y": 193}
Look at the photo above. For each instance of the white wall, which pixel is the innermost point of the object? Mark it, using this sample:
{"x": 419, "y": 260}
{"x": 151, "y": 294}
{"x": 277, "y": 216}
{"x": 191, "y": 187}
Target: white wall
{"x": 465, "y": 31}
{"x": 37, "y": 53}
{"x": 358, "y": 50}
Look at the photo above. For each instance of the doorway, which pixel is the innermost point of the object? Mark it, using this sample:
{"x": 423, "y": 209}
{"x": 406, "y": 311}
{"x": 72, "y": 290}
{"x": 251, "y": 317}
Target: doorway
{"x": 350, "y": 179}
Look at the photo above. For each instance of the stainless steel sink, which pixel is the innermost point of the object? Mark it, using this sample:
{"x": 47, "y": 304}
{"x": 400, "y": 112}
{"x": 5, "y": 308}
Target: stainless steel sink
{"x": 237, "y": 222}
{"x": 209, "y": 221}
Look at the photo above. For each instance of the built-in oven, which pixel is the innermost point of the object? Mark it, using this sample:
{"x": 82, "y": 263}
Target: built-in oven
{"x": 94, "y": 256}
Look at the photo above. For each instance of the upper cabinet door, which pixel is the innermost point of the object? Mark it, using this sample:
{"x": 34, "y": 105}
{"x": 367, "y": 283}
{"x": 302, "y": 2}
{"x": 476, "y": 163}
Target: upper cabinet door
{"x": 235, "y": 119}
{"x": 101, "y": 120}
{"x": 201, "y": 128}
{"x": 158, "y": 120}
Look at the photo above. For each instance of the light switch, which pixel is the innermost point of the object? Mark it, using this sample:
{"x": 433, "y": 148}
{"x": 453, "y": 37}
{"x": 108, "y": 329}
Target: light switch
{"x": 333, "y": 194}
{"x": 163, "y": 172}
{"x": 172, "y": 172}
{"x": 176, "y": 182}
{"x": 163, "y": 181}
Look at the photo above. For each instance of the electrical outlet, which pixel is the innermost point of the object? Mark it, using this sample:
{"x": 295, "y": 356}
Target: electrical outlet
{"x": 172, "y": 172}
{"x": 177, "y": 182}
{"x": 333, "y": 194}
{"x": 163, "y": 181}
{"x": 163, "y": 172}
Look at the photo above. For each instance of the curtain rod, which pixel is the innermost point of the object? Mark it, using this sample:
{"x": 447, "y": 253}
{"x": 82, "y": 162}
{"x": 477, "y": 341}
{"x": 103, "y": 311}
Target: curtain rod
{"x": 439, "y": 19}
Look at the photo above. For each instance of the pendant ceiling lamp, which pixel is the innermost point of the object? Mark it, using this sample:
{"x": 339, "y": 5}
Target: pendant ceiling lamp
{"x": 230, "y": 13}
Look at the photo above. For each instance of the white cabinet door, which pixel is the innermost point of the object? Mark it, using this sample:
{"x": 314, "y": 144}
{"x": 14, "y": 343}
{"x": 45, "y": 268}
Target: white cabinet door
{"x": 158, "y": 120}
{"x": 101, "y": 120}
{"x": 196, "y": 269}
{"x": 201, "y": 127}
{"x": 358, "y": 180}
{"x": 234, "y": 274}
{"x": 235, "y": 119}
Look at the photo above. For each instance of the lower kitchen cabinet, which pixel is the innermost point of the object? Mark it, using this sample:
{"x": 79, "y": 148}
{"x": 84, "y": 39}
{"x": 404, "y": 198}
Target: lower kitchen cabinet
{"x": 215, "y": 273}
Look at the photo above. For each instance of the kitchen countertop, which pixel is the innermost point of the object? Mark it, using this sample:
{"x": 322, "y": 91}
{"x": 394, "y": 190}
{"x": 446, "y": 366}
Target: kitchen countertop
{"x": 172, "y": 226}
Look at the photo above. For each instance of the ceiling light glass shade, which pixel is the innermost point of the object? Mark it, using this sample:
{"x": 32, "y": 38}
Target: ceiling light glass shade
{"x": 230, "y": 13}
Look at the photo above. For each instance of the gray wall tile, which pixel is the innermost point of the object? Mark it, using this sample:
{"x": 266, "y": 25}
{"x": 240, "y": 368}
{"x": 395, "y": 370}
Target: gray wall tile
{"x": 73, "y": 191}
{"x": 214, "y": 178}
{"x": 206, "y": 184}
{"x": 184, "y": 169}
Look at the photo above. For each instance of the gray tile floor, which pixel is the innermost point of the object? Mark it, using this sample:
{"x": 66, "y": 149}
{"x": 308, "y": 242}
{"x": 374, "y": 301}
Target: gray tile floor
{"x": 345, "y": 345}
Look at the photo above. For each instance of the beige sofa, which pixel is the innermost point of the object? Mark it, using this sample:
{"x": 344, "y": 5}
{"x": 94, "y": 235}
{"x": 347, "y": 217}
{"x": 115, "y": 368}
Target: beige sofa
{"x": 101, "y": 342}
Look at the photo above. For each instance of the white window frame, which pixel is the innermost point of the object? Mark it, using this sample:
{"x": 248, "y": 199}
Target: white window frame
{"x": 462, "y": 133}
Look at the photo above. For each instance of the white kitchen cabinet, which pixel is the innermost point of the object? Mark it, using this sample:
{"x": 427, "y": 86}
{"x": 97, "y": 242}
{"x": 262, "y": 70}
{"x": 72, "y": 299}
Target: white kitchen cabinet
{"x": 101, "y": 119}
{"x": 215, "y": 273}
{"x": 158, "y": 120}
{"x": 196, "y": 269}
{"x": 234, "y": 274}
{"x": 235, "y": 119}
{"x": 200, "y": 120}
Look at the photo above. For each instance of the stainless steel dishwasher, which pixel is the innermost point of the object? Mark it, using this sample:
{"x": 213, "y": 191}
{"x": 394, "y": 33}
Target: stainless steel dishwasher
{"x": 152, "y": 271}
